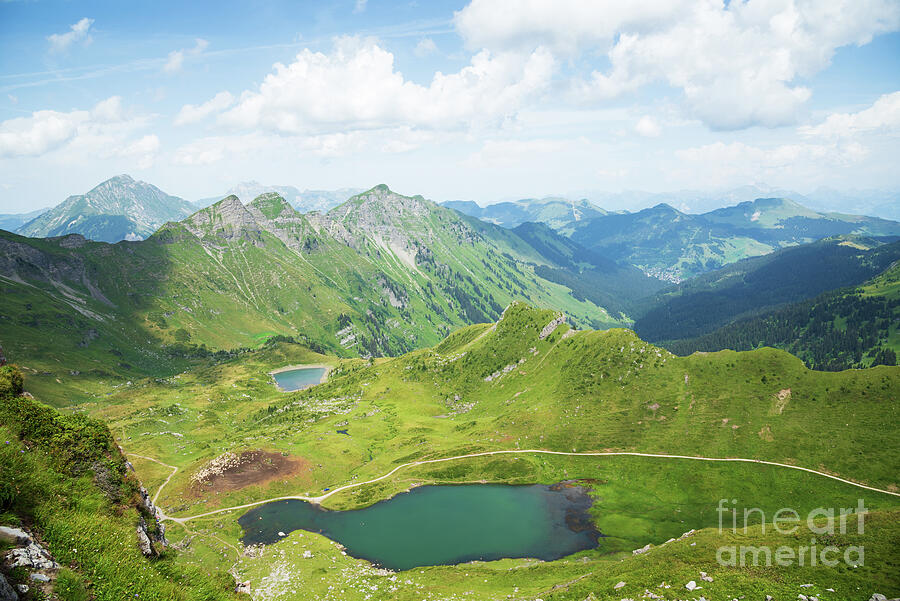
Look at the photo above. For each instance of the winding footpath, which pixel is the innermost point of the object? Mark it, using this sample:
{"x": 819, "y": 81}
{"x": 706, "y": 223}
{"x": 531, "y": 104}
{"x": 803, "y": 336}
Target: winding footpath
{"x": 166, "y": 481}
{"x": 319, "y": 499}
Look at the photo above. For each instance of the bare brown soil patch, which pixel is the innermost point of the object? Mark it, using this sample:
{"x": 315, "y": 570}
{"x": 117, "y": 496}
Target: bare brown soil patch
{"x": 233, "y": 471}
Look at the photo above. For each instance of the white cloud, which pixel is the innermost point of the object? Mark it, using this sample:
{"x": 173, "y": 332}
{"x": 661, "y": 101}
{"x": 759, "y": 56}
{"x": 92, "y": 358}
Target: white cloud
{"x": 647, "y": 127}
{"x": 882, "y": 117}
{"x": 566, "y": 26}
{"x": 191, "y": 113}
{"x": 527, "y": 153}
{"x": 109, "y": 110}
{"x": 360, "y": 6}
{"x": 79, "y": 32}
{"x": 737, "y": 64}
{"x": 356, "y": 87}
{"x": 175, "y": 60}
{"x": 144, "y": 150}
{"x": 40, "y": 133}
{"x": 425, "y": 47}
{"x": 214, "y": 149}
{"x": 728, "y": 164}
{"x": 104, "y": 131}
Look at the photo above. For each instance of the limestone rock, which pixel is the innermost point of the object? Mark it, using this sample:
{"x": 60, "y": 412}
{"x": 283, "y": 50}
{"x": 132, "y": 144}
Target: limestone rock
{"x": 31, "y": 556}
{"x": 551, "y": 327}
{"x": 7, "y": 592}
{"x": 16, "y": 536}
{"x": 144, "y": 543}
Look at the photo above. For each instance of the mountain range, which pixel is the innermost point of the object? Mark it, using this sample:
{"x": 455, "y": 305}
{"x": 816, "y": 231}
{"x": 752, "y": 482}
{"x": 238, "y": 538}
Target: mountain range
{"x": 672, "y": 245}
{"x": 380, "y": 274}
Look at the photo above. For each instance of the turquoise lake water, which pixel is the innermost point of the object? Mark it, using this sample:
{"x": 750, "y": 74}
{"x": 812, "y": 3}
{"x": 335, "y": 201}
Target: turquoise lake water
{"x": 437, "y": 525}
{"x": 297, "y": 379}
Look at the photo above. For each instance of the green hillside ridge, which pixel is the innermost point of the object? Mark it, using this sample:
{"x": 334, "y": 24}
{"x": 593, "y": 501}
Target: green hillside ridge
{"x": 849, "y": 328}
{"x": 118, "y": 209}
{"x": 749, "y": 287}
{"x": 380, "y": 275}
{"x": 520, "y": 384}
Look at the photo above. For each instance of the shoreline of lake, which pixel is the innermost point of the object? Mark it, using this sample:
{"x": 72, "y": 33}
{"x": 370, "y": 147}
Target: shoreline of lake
{"x": 482, "y": 522}
{"x": 301, "y": 367}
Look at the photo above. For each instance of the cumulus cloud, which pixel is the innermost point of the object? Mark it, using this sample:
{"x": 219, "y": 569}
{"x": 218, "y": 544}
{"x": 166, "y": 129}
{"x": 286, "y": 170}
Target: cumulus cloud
{"x": 213, "y": 149}
{"x": 40, "y": 133}
{"x": 357, "y": 87}
{"x": 191, "y": 113}
{"x": 144, "y": 150}
{"x": 175, "y": 60}
{"x": 104, "y": 131}
{"x": 882, "y": 117}
{"x": 425, "y": 47}
{"x": 647, "y": 127}
{"x": 80, "y": 32}
{"x": 737, "y": 64}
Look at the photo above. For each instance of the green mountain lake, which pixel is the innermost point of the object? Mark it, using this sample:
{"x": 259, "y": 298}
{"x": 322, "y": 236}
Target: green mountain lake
{"x": 299, "y": 378}
{"x": 439, "y": 525}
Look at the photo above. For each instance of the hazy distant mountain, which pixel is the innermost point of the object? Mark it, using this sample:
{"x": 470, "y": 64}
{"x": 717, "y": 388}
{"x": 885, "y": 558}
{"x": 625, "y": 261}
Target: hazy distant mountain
{"x": 687, "y": 201}
{"x": 304, "y": 201}
{"x": 880, "y": 203}
{"x": 13, "y": 221}
{"x": 118, "y": 209}
{"x": 672, "y": 245}
{"x": 559, "y": 213}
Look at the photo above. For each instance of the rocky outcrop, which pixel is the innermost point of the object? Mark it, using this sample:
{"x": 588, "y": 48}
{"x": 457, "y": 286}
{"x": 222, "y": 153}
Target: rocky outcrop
{"x": 228, "y": 219}
{"x": 551, "y": 327}
{"x": 15, "y": 536}
{"x": 143, "y": 537}
{"x": 7, "y": 592}
{"x": 31, "y": 556}
{"x": 144, "y": 533}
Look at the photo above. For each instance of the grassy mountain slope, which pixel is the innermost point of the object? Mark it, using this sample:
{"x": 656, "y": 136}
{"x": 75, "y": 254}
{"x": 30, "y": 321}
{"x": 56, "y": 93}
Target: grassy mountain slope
{"x": 673, "y": 245}
{"x": 748, "y": 287}
{"x": 590, "y": 275}
{"x": 841, "y": 329}
{"x": 64, "y": 478}
{"x": 119, "y": 208}
{"x": 382, "y": 274}
{"x": 504, "y": 386}
{"x": 665, "y": 242}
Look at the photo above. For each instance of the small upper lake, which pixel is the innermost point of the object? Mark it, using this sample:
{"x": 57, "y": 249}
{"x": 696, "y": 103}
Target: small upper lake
{"x": 437, "y": 525}
{"x": 299, "y": 378}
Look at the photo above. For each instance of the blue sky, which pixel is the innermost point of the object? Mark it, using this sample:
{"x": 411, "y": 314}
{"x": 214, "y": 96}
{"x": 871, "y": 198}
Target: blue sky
{"x": 482, "y": 100}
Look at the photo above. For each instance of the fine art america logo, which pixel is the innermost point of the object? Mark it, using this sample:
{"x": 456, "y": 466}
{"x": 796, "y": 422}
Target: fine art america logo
{"x": 822, "y": 522}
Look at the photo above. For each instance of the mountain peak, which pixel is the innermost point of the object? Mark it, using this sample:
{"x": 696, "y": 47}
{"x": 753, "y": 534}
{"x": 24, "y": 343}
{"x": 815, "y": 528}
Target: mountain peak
{"x": 271, "y": 205}
{"x": 116, "y": 209}
{"x": 227, "y": 219}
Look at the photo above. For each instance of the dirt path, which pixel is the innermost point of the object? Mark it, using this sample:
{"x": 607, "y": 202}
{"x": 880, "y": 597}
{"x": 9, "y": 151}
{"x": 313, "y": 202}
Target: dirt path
{"x": 321, "y": 498}
{"x": 166, "y": 481}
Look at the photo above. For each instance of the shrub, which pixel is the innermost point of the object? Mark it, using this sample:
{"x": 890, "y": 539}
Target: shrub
{"x": 11, "y": 381}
